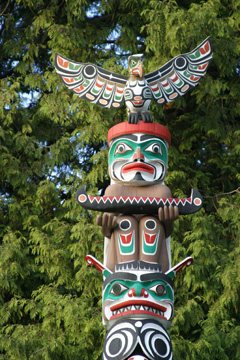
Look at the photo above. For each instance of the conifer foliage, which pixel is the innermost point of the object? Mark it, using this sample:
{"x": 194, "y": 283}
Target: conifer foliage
{"x": 52, "y": 142}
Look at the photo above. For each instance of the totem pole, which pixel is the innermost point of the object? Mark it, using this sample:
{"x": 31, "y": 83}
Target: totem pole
{"x": 138, "y": 208}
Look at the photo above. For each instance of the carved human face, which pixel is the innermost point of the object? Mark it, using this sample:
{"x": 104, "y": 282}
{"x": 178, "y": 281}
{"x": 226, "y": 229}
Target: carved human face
{"x": 143, "y": 296}
{"x": 138, "y": 159}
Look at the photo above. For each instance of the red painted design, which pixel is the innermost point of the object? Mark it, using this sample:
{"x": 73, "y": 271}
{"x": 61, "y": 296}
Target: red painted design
{"x": 205, "y": 48}
{"x": 120, "y": 91}
{"x": 141, "y": 127}
{"x": 136, "y": 103}
{"x": 104, "y": 199}
{"x": 68, "y": 80}
{"x": 194, "y": 78}
{"x": 155, "y": 88}
{"x": 150, "y": 238}
{"x": 126, "y": 239}
{"x": 138, "y": 302}
{"x": 136, "y": 156}
{"x": 175, "y": 79}
{"x": 79, "y": 89}
{"x": 82, "y": 198}
{"x": 186, "y": 262}
{"x": 165, "y": 84}
{"x": 202, "y": 67}
{"x": 90, "y": 260}
{"x": 135, "y": 312}
{"x": 62, "y": 62}
{"x": 144, "y": 293}
{"x": 132, "y": 292}
{"x": 138, "y": 167}
{"x": 99, "y": 85}
{"x": 197, "y": 201}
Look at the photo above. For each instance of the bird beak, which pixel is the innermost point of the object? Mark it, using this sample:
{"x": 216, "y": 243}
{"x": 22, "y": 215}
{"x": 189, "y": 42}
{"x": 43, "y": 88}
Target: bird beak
{"x": 138, "y": 70}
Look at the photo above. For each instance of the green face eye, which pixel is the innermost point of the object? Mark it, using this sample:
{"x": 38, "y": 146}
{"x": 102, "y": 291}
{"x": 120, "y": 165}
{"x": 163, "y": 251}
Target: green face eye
{"x": 122, "y": 148}
{"x": 133, "y": 63}
{"x": 117, "y": 289}
{"x": 159, "y": 289}
{"x": 155, "y": 149}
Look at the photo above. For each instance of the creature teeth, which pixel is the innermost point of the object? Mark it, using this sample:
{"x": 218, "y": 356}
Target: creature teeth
{"x": 138, "y": 307}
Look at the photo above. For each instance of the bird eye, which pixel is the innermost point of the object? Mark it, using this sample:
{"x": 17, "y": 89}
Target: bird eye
{"x": 159, "y": 289}
{"x": 122, "y": 148}
{"x": 117, "y": 289}
{"x": 154, "y": 148}
{"x": 133, "y": 63}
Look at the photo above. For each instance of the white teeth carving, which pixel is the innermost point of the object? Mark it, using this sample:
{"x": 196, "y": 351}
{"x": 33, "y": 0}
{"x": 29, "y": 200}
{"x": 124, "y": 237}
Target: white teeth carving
{"x": 138, "y": 307}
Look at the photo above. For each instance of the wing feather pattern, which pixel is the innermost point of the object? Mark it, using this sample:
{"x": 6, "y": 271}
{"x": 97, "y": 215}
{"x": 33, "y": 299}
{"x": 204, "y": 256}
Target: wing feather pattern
{"x": 180, "y": 74}
{"x": 91, "y": 82}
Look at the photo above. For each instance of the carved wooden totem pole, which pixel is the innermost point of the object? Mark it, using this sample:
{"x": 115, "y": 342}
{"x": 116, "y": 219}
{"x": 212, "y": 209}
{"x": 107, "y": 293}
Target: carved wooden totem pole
{"x": 138, "y": 209}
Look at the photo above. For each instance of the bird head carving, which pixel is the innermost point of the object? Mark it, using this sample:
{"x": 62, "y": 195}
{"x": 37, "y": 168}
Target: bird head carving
{"x": 135, "y": 65}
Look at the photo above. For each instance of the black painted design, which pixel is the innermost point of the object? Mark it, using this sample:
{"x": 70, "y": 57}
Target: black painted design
{"x": 138, "y": 205}
{"x": 137, "y": 337}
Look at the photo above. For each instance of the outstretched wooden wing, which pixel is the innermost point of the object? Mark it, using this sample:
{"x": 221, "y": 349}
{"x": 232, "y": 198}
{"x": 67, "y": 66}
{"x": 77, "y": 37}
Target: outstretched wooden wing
{"x": 91, "y": 82}
{"x": 180, "y": 74}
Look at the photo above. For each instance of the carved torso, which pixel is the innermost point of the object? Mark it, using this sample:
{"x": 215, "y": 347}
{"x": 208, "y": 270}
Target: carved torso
{"x": 137, "y": 95}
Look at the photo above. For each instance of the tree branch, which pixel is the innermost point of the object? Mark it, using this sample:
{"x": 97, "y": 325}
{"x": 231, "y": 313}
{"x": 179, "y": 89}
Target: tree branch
{"x": 5, "y": 8}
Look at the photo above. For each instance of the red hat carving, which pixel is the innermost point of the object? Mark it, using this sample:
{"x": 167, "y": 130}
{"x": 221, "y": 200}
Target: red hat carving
{"x": 141, "y": 127}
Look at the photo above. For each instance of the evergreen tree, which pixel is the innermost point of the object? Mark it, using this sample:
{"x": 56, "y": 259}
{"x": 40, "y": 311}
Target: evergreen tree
{"x": 52, "y": 142}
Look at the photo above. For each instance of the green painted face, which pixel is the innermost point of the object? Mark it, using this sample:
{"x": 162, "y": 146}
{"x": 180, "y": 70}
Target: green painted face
{"x": 135, "y": 65}
{"x": 138, "y": 299}
{"x": 138, "y": 159}
{"x": 157, "y": 289}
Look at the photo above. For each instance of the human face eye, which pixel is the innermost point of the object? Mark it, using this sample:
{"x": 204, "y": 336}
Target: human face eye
{"x": 159, "y": 289}
{"x": 122, "y": 148}
{"x": 118, "y": 289}
{"x": 155, "y": 148}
